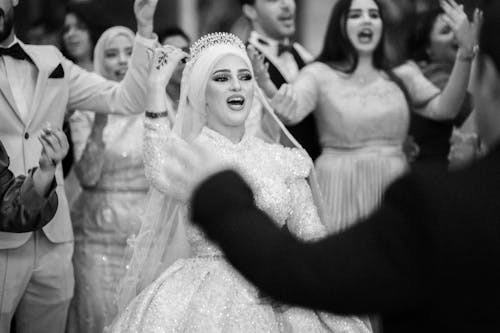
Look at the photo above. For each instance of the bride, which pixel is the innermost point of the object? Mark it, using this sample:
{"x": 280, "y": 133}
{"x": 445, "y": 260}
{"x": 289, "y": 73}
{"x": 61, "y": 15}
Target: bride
{"x": 178, "y": 281}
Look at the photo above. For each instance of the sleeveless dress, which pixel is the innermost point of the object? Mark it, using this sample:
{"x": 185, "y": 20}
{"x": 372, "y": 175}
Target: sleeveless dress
{"x": 362, "y": 128}
{"x": 203, "y": 293}
{"x": 114, "y": 187}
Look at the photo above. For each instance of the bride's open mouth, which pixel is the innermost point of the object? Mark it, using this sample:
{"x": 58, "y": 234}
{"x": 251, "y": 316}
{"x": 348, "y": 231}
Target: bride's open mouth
{"x": 236, "y": 102}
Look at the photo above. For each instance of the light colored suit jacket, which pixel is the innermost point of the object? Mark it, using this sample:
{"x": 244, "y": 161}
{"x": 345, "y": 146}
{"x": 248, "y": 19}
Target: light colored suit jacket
{"x": 53, "y": 96}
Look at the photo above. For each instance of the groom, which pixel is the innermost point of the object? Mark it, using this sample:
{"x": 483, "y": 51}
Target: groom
{"x": 273, "y": 25}
{"x": 37, "y": 86}
{"x": 428, "y": 260}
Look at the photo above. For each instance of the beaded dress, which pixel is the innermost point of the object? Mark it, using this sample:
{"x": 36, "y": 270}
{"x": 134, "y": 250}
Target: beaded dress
{"x": 114, "y": 187}
{"x": 203, "y": 293}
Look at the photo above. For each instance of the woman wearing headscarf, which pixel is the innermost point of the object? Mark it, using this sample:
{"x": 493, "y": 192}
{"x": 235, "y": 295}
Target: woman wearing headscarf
{"x": 108, "y": 164}
{"x": 178, "y": 281}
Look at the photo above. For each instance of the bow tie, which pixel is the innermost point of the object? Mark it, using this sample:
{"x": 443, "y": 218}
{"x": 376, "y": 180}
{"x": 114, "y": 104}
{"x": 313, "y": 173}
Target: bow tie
{"x": 282, "y": 47}
{"x": 15, "y": 51}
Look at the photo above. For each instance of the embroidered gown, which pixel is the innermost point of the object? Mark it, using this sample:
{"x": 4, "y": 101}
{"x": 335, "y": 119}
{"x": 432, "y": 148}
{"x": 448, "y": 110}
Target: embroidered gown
{"x": 204, "y": 293}
{"x": 362, "y": 127}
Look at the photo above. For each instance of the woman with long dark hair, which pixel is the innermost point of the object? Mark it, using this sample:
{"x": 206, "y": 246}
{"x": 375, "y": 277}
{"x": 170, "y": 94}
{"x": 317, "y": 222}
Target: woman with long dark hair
{"x": 362, "y": 105}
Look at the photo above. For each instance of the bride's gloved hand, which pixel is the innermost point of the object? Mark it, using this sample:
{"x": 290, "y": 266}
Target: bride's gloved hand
{"x": 189, "y": 165}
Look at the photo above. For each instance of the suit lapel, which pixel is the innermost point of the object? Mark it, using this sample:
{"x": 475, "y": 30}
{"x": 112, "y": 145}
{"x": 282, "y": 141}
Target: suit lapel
{"x": 7, "y": 94}
{"x": 43, "y": 66}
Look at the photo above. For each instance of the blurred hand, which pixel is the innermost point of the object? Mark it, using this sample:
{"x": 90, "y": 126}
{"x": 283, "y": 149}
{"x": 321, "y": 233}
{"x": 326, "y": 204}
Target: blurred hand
{"x": 54, "y": 148}
{"x": 261, "y": 71}
{"x": 466, "y": 32}
{"x": 188, "y": 166}
{"x": 284, "y": 103}
{"x": 144, "y": 12}
{"x": 464, "y": 149}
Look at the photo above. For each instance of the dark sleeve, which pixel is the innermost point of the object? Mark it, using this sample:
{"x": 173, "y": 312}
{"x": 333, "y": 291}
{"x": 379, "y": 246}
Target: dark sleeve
{"x": 376, "y": 266}
{"x": 22, "y": 209}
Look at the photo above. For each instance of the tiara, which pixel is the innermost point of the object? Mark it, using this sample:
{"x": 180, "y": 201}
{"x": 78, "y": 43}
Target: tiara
{"x": 213, "y": 39}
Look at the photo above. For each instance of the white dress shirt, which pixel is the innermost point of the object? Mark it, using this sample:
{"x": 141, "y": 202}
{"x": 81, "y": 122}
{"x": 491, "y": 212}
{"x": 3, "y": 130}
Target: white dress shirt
{"x": 21, "y": 75}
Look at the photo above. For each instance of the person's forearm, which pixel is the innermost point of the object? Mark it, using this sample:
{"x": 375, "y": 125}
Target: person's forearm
{"x": 42, "y": 180}
{"x": 267, "y": 86}
{"x": 145, "y": 30}
{"x": 88, "y": 168}
{"x": 448, "y": 104}
{"x": 23, "y": 208}
{"x": 157, "y": 98}
{"x": 352, "y": 272}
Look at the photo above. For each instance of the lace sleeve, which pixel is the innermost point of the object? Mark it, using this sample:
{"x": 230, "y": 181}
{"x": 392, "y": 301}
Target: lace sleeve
{"x": 304, "y": 221}
{"x": 156, "y": 136}
{"x": 307, "y": 92}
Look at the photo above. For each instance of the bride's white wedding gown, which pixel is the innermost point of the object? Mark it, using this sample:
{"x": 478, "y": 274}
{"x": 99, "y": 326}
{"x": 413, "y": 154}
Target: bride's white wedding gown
{"x": 204, "y": 293}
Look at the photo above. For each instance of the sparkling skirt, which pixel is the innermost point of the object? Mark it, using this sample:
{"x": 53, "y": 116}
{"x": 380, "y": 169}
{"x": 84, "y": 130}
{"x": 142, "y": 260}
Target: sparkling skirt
{"x": 102, "y": 223}
{"x": 353, "y": 181}
{"x": 205, "y": 294}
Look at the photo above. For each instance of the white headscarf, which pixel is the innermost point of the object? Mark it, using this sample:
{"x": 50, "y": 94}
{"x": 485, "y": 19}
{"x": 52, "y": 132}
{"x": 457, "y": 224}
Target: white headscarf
{"x": 107, "y": 36}
{"x": 191, "y": 115}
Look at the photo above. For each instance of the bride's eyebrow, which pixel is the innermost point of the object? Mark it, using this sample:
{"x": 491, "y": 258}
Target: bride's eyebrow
{"x": 221, "y": 71}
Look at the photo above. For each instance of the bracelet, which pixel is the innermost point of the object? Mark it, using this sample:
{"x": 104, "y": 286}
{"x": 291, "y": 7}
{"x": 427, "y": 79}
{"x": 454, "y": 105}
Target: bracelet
{"x": 154, "y": 115}
{"x": 469, "y": 57}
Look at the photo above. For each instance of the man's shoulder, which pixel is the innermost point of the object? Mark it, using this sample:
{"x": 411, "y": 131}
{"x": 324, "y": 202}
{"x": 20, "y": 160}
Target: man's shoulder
{"x": 44, "y": 49}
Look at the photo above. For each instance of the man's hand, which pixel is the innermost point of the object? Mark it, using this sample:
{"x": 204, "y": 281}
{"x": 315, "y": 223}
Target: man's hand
{"x": 144, "y": 12}
{"x": 54, "y": 148}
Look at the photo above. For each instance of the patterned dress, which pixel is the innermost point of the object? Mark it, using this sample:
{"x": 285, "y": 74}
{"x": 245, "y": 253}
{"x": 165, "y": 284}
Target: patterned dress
{"x": 204, "y": 293}
{"x": 362, "y": 127}
{"x": 104, "y": 216}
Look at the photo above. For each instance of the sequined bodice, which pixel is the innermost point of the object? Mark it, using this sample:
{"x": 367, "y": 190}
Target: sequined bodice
{"x": 267, "y": 168}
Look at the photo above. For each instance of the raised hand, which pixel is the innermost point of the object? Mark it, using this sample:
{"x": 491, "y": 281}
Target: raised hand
{"x": 189, "y": 165}
{"x": 466, "y": 32}
{"x": 261, "y": 71}
{"x": 163, "y": 63}
{"x": 55, "y": 146}
{"x": 284, "y": 103}
{"x": 144, "y": 12}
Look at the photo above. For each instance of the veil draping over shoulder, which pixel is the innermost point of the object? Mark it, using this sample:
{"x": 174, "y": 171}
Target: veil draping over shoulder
{"x": 162, "y": 238}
